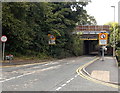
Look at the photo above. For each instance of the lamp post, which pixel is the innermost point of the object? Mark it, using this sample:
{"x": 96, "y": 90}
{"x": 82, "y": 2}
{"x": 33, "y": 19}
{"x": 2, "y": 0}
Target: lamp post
{"x": 114, "y": 34}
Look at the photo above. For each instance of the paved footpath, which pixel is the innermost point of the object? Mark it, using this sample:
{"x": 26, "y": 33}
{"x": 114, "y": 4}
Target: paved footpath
{"x": 106, "y": 70}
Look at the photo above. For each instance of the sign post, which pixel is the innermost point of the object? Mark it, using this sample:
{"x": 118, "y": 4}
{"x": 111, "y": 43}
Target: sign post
{"x": 3, "y": 39}
{"x": 103, "y": 53}
{"x": 51, "y": 42}
{"x": 103, "y": 40}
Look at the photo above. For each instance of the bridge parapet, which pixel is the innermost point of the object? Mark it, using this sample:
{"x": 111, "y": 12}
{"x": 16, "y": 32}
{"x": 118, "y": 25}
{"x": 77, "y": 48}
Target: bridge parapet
{"x": 91, "y": 32}
{"x": 92, "y": 29}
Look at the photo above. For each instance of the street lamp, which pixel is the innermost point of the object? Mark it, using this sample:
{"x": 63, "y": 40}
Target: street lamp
{"x": 114, "y": 34}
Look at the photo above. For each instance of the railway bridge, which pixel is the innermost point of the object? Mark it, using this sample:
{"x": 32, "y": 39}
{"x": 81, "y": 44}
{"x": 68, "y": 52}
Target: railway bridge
{"x": 90, "y": 36}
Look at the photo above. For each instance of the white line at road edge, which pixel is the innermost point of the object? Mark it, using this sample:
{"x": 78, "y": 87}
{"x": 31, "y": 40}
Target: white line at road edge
{"x": 30, "y": 73}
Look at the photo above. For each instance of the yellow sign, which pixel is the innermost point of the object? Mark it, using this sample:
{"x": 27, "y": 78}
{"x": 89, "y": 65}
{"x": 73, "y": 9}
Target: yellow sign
{"x": 52, "y": 39}
{"x": 103, "y": 38}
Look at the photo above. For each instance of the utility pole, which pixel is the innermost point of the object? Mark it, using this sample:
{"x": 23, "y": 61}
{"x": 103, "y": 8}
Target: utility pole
{"x": 114, "y": 43}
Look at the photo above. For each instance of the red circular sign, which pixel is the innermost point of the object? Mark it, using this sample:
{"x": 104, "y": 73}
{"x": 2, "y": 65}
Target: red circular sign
{"x": 103, "y": 36}
{"x": 3, "y": 39}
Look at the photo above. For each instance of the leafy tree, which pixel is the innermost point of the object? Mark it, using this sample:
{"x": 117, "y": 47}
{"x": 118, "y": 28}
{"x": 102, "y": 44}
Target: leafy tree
{"x": 115, "y": 30}
{"x": 27, "y": 26}
{"x": 14, "y": 27}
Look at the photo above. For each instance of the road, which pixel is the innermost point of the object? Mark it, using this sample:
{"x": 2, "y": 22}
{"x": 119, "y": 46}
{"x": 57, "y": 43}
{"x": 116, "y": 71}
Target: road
{"x": 58, "y": 75}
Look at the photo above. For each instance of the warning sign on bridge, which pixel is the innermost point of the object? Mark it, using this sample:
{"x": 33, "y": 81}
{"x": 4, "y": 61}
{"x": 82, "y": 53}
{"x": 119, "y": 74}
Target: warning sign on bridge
{"x": 103, "y": 38}
{"x": 51, "y": 39}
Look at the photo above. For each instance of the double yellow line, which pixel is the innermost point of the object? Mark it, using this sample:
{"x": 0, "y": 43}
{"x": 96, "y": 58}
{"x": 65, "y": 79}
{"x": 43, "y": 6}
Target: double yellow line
{"x": 79, "y": 71}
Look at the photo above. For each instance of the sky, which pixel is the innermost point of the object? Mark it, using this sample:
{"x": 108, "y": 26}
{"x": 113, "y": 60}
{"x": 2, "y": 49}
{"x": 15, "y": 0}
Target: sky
{"x": 102, "y": 10}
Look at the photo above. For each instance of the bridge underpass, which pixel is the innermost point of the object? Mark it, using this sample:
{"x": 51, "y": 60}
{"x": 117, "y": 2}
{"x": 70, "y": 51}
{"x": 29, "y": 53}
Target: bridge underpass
{"x": 89, "y": 35}
{"x": 90, "y": 47}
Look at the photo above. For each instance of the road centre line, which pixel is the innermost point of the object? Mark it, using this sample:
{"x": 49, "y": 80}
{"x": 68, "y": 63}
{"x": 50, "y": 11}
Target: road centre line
{"x": 51, "y": 63}
{"x": 76, "y": 75}
{"x": 68, "y": 81}
{"x": 53, "y": 67}
{"x": 28, "y": 64}
{"x": 71, "y": 78}
{"x": 64, "y": 85}
{"x": 58, "y": 88}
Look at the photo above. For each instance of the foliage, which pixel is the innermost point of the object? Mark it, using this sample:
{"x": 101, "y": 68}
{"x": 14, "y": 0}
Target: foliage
{"x": 118, "y": 56}
{"x": 114, "y": 28}
{"x": 27, "y": 26}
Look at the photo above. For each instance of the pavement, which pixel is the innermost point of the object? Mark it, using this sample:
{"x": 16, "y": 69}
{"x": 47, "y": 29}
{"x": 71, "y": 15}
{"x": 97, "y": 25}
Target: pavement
{"x": 106, "y": 70}
{"x": 60, "y": 75}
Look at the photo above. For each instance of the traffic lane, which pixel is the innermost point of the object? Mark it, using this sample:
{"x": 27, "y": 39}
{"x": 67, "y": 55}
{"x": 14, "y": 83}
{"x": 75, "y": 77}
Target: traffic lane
{"x": 37, "y": 81}
{"x": 45, "y": 80}
{"x": 14, "y": 71}
{"x": 10, "y": 73}
{"x": 16, "y": 67}
{"x": 20, "y": 72}
{"x": 81, "y": 84}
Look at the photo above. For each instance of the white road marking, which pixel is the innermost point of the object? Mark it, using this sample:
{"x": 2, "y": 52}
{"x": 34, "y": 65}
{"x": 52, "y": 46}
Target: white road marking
{"x": 50, "y": 63}
{"x": 29, "y": 73}
{"x": 7, "y": 79}
{"x": 76, "y": 75}
{"x": 68, "y": 81}
{"x": 60, "y": 60}
{"x": 55, "y": 63}
{"x": 64, "y": 85}
{"x": 47, "y": 64}
{"x": 1, "y": 78}
{"x": 51, "y": 67}
{"x": 73, "y": 61}
{"x": 71, "y": 78}
{"x": 58, "y": 88}
{"x": 14, "y": 72}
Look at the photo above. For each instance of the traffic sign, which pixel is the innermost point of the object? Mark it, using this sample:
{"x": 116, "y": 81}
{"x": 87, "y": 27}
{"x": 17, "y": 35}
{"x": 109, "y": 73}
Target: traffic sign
{"x": 3, "y": 38}
{"x": 51, "y": 39}
{"x": 103, "y": 38}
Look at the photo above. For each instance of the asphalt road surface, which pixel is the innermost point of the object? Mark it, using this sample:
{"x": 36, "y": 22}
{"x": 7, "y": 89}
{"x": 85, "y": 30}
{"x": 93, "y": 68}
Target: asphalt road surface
{"x": 58, "y": 75}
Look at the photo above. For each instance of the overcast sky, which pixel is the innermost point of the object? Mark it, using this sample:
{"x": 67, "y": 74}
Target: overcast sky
{"x": 102, "y": 10}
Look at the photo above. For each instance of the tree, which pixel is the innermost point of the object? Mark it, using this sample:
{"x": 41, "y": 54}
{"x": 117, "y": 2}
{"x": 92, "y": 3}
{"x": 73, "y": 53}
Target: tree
{"x": 27, "y": 26}
{"x": 115, "y": 26}
{"x": 14, "y": 26}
